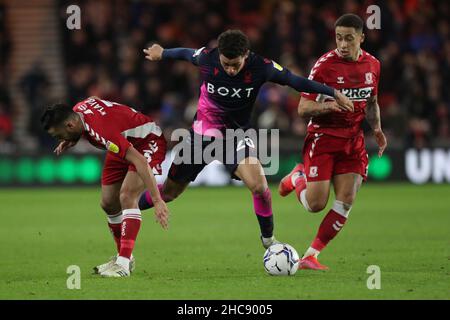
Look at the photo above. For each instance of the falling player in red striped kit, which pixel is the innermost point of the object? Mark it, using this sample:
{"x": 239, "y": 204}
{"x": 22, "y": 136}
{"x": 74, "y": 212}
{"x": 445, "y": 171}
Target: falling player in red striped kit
{"x": 135, "y": 150}
{"x": 334, "y": 149}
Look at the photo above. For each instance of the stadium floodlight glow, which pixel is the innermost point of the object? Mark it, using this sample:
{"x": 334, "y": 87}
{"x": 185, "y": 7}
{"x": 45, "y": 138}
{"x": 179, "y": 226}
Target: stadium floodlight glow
{"x": 6, "y": 170}
{"x": 24, "y": 170}
{"x": 45, "y": 170}
{"x": 90, "y": 169}
{"x": 380, "y": 168}
{"x": 67, "y": 169}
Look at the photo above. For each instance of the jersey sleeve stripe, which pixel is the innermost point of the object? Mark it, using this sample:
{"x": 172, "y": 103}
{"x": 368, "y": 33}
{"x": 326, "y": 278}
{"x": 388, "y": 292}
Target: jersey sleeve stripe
{"x": 143, "y": 131}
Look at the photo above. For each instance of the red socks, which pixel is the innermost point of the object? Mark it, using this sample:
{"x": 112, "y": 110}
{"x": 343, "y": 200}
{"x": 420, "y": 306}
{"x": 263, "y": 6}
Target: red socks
{"x": 130, "y": 229}
{"x": 329, "y": 228}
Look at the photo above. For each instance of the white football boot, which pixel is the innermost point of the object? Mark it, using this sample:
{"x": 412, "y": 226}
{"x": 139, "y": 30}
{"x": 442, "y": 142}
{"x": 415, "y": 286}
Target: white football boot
{"x": 115, "y": 271}
{"x": 267, "y": 242}
{"x": 101, "y": 268}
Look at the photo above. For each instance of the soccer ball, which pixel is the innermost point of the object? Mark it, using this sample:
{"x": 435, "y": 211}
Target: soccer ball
{"x": 281, "y": 260}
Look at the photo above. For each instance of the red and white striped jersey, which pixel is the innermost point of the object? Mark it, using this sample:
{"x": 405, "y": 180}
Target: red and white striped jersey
{"x": 113, "y": 126}
{"x": 358, "y": 80}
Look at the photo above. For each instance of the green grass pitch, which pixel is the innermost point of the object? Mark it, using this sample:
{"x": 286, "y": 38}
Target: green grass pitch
{"x": 212, "y": 249}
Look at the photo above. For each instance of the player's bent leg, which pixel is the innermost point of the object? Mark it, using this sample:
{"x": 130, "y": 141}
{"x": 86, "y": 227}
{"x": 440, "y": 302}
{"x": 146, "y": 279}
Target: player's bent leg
{"x": 132, "y": 187}
{"x": 169, "y": 191}
{"x": 289, "y": 182}
{"x": 251, "y": 173}
{"x": 345, "y": 187}
{"x": 312, "y": 195}
{"x": 315, "y": 195}
{"x": 110, "y": 203}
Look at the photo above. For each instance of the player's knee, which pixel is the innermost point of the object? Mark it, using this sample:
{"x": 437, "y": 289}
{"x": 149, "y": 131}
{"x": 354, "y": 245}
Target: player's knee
{"x": 257, "y": 188}
{"x": 316, "y": 206}
{"x": 127, "y": 198}
{"x": 171, "y": 195}
{"x": 109, "y": 207}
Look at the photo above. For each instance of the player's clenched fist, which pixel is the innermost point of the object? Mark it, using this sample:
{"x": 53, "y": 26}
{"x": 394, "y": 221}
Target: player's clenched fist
{"x": 344, "y": 103}
{"x": 162, "y": 213}
{"x": 153, "y": 53}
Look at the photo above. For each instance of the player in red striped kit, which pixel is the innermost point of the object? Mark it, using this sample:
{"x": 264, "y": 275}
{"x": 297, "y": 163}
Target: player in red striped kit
{"x": 135, "y": 150}
{"x": 334, "y": 150}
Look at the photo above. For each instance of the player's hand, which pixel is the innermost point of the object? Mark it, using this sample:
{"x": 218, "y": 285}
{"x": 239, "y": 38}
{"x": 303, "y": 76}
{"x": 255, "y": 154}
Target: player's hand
{"x": 381, "y": 141}
{"x": 63, "y": 145}
{"x": 154, "y": 53}
{"x": 332, "y": 106}
{"x": 161, "y": 213}
{"x": 344, "y": 103}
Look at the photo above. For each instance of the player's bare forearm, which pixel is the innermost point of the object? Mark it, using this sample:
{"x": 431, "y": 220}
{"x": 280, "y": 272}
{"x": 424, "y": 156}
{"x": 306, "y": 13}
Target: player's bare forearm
{"x": 373, "y": 113}
{"x": 309, "y": 108}
{"x": 374, "y": 120}
{"x": 139, "y": 161}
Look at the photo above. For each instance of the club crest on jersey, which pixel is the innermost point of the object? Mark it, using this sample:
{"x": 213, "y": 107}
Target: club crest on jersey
{"x": 312, "y": 172}
{"x": 340, "y": 80}
{"x": 369, "y": 79}
{"x": 110, "y": 146}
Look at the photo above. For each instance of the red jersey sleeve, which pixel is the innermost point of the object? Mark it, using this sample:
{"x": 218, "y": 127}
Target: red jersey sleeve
{"x": 316, "y": 74}
{"x": 117, "y": 144}
{"x": 377, "y": 76}
{"x": 106, "y": 134}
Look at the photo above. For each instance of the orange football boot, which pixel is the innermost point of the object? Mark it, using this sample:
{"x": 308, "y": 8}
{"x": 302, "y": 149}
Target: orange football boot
{"x": 287, "y": 184}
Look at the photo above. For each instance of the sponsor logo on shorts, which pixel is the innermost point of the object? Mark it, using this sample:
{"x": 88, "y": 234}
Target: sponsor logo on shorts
{"x": 312, "y": 172}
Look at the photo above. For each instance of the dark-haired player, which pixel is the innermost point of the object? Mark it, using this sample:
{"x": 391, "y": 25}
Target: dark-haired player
{"x": 334, "y": 149}
{"x": 231, "y": 76}
{"x": 135, "y": 149}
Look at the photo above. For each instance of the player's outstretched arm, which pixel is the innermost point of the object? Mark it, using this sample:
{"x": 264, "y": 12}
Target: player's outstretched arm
{"x": 139, "y": 161}
{"x": 308, "y": 108}
{"x": 303, "y": 84}
{"x": 374, "y": 120}
{"x": 156, "y": 53}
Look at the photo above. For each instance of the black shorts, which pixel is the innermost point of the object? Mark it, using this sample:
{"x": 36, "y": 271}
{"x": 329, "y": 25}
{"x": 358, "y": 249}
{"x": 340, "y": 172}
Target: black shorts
{"x": 196, "y": 151}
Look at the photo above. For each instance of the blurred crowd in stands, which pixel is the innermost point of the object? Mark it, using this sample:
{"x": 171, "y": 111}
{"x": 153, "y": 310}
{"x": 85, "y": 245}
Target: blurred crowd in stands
{"x": 105, "y": 58}
{"x": 5, "y": 101}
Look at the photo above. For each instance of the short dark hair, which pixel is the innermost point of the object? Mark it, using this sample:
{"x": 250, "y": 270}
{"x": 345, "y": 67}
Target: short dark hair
{"x": 55, "y": 115}
{"x": 350, "y": 20}
{"x": 233, "y": 43}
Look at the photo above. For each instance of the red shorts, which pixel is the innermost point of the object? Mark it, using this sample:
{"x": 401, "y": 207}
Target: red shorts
{"x": 325, "y": 156}
{"x": 115, "y": 168}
